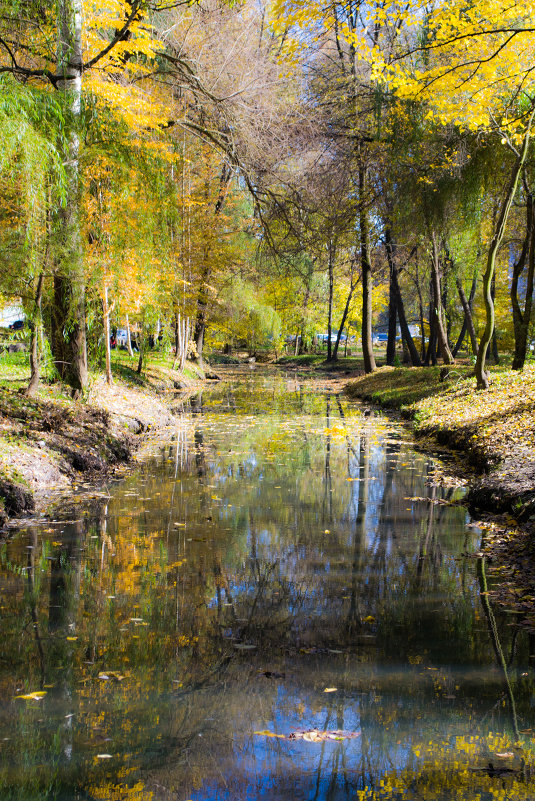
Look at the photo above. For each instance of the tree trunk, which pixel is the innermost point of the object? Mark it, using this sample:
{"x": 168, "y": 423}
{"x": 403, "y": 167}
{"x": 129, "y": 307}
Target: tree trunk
{"x": 141, "y": 349}
{"x": 35, "y": 324}
{"x": 330, "y": 310}
{"x": 177, "y": 339}
{"x": 202, "y": 295}
{"x": 431, "y": 354}
{"x": 107, "y": 311}
{"x": 481, "y": 373}
{"x": 521, "y": 320}
{"x": 129, "y": 338}
{"x": 366, "y": 272}
{"x": 394, "y": 285}
{"x": 494, "y": 341}
{"x": 445, "y": 352}
{"x": 70, "y": 354}
{"x": 468, "y": 322}
{"x": 343, "y": 321}
{"x": 392, "y": 319}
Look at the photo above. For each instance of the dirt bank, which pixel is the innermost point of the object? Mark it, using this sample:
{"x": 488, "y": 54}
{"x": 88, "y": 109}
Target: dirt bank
{"x": 50, "y": 443}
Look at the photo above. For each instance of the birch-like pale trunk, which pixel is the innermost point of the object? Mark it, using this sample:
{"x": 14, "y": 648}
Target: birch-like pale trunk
{"x": 129, "y": 338}
{"x": 69, "y": 342}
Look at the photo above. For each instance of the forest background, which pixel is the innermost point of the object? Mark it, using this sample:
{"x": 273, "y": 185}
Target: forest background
{"x": 253, "y": 174}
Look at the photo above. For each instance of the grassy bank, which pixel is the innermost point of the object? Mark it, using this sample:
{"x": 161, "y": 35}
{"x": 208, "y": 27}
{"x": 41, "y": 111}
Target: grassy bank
{"x": 494, "y": 429}
{"x": 50, "y": 443}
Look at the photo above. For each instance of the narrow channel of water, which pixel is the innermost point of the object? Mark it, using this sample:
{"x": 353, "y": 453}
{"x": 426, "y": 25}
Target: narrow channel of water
{"x": 278, "y": 604}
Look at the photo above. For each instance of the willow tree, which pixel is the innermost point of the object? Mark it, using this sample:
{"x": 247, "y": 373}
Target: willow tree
{"x": 111, "y": 37}
{"x": 29, "y": 164}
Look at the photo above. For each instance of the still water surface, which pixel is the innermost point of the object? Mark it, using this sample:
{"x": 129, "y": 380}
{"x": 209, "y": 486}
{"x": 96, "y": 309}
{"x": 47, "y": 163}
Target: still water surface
{"x": 281, "y": 566}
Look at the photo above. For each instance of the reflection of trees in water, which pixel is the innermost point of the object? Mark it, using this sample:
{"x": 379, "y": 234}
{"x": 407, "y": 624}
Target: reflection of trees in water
{"x": 260, "y": 571}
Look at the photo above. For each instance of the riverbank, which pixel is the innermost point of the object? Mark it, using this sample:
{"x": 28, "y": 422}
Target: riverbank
{"x": 493, "y": 430}
{"x": 50, "y": 444}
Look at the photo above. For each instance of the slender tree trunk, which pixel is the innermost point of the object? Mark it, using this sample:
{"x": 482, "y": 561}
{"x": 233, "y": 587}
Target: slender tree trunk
{"x": 392, "y": 320}
{"x": 177, "y": 339}
{"x": 343, "y": 320}
{"x": 494, "y": 341}
{"x": 304, "y": 311}
{"x": 394, "y": 286}
{"x": 129, "y": 338}
{"x": 35, "y": 324}
{"x": 107, "y": 311}
{"x": 468, "y": 322}
{"x": 70, "y": 353}
{"x": 481, "y": 374}
{"x": 202, "y": 294}
{"x": 186, "y": 330}
{"x": 431, "y": 354}
{"x": 445, "y": 352}
{"x": 521, "y": 320}
{"x": 366, "y": 272}
{"x": 141, "y": 349}
{"x": 331, "y": 293}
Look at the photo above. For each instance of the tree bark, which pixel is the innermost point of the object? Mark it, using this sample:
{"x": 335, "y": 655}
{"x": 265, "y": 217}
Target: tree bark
{"x": 394, "y": 285}
{"x": 366, "y": 272}
{"x": 129, "y": 338}
{"x": 468, "y": 322}
{"x": 330, "y": 308}
{"x": 35, "y": 323}
{"x": 431, "y": 353}
{"x": 445, "y": 352}
{"x": 521, "y": 320}
{"x": 107, "y": 311}
{"x": 69, "y": 343}
{"x": 392, "y": 318}
{"x": 480, "y": 372}
{"x": 141, "y": 349}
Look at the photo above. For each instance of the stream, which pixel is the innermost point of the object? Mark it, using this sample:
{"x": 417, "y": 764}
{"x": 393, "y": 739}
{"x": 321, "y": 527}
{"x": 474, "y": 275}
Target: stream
{"x": 280, "y": 602}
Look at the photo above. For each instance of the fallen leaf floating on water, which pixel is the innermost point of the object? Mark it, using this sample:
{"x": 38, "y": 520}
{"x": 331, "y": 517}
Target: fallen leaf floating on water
{"x": 110, "y": 674}
{"x": 330, "y": 689}
{"x": 312, "y": 735}
{"x": 37, "y": 696}
{"x": 103, "y": 756}
{"x": 267, "y": 733}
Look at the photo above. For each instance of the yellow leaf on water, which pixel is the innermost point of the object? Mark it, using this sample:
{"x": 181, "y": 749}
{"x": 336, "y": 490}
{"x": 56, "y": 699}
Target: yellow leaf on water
{"x": 267, "y": 733}
{"x": 330, "y": 689}
{"x": 36, "y": 696}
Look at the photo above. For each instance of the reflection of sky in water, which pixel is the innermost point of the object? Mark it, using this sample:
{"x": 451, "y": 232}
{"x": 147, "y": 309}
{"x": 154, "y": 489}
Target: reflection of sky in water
{"x": 263, "y": 558}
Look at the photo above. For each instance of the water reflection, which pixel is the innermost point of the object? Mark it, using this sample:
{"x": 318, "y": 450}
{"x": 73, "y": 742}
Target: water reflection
{"x": 166, "y": 641}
